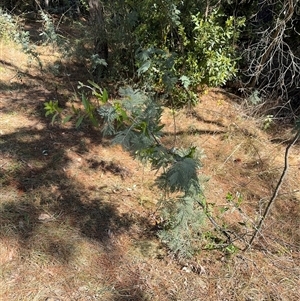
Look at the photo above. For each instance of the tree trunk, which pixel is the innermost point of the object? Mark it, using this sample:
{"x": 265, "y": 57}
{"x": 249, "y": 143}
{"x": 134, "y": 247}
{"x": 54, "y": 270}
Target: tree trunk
{"x": 97, "y": 21}
{"x": 100, "y": 38}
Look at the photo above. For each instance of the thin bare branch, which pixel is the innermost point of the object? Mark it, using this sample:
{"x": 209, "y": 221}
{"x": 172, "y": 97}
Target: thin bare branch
{"x": 274, "y": 196}
{"x": 273, "y": 67}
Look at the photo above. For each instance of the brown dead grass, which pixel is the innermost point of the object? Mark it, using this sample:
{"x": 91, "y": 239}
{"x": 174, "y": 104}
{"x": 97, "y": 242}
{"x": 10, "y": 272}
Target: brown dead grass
{"x": 75, "y": 223}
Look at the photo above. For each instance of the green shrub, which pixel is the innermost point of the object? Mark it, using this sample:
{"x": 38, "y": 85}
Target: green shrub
{"x": 211, "y": 56}
{"x": 10, "y": 30}
{"x": 202, "y": 54}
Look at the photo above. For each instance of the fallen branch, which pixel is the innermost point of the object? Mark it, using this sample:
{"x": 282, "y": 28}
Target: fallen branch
{"x": 274, "y": 196}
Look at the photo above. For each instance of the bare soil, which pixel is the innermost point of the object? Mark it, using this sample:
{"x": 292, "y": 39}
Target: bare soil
{"x": 77, "y": 214}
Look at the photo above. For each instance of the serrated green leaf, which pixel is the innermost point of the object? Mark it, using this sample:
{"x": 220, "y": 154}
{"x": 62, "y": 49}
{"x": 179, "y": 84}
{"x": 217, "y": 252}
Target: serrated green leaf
{"x": 182, "y": 175}
{"x": 185, "y": 81}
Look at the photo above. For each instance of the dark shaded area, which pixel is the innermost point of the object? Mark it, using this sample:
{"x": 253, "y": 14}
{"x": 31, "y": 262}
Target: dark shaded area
{"x": 40, "y": 164}
{"x": 21, "y": 218}
{"x": 71, "y": 7}
{"x": 6, "y": 63}
{"x": 33, "y": 172}
{"x": 112, "y": 167}
{"x": 194, "y": 131}
{"x": 278, "y": 82}
{"x": 284, "y": 141}
{"x": 199, "y": 118}
{"x": 12, "y": 87}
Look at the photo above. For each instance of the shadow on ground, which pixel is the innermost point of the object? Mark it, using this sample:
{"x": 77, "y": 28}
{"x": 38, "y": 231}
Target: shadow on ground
{"x": 47, "y": 210}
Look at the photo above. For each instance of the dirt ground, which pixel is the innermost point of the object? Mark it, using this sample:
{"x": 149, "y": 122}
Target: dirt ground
{"x": 77, "y": 214}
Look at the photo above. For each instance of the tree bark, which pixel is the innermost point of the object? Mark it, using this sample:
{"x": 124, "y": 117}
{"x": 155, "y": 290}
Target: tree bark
{"x": 97, "y": 20}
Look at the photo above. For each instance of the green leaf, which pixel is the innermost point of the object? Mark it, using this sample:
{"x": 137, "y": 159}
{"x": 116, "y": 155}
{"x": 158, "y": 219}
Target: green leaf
{"x": 53, "y": 118}
{"x": 79, "y": 121}
{"x": 185, "y": 81}
{"x": 67, "y": 118}
{"x": 105, "y": 96}
{"x": 224, "y": 209}
{"x": 181, "y": 175}
{"x": 94, "y": 85}
{"x": 229, "y": 197}
{"x": 231, "y": 249}
{"x": 85, "y": 102}
{"x": 144, "y": 68}
{"x": 94, "y": 120}
{"x": 98, "y": 95}
{"x": 76, "y": 111}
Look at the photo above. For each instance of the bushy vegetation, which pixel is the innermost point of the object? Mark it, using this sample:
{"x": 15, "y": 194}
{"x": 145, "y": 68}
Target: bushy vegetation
{"x": 168, "y": 52}
{"x": 10, "y": 30}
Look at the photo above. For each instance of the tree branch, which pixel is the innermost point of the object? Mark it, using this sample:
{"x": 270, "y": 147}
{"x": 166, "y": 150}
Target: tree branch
{"x": 274, "y": 196}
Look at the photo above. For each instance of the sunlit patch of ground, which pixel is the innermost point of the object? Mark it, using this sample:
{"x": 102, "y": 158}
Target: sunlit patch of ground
{"x": 76, "y": 213}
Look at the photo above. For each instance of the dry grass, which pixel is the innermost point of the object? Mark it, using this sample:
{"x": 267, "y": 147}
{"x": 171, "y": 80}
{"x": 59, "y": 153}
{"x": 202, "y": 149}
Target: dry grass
{"x": 74, "y": 224}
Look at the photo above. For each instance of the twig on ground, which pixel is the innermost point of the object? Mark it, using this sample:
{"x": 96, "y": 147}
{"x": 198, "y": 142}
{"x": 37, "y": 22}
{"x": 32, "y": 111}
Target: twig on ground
{"x": 274, "y": 196}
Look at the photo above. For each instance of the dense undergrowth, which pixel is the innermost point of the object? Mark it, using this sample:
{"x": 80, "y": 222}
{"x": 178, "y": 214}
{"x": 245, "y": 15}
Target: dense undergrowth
{"x": 186, "y": 53}
{"x": 122, "y": 96}
{"x": 80, "y": 218}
